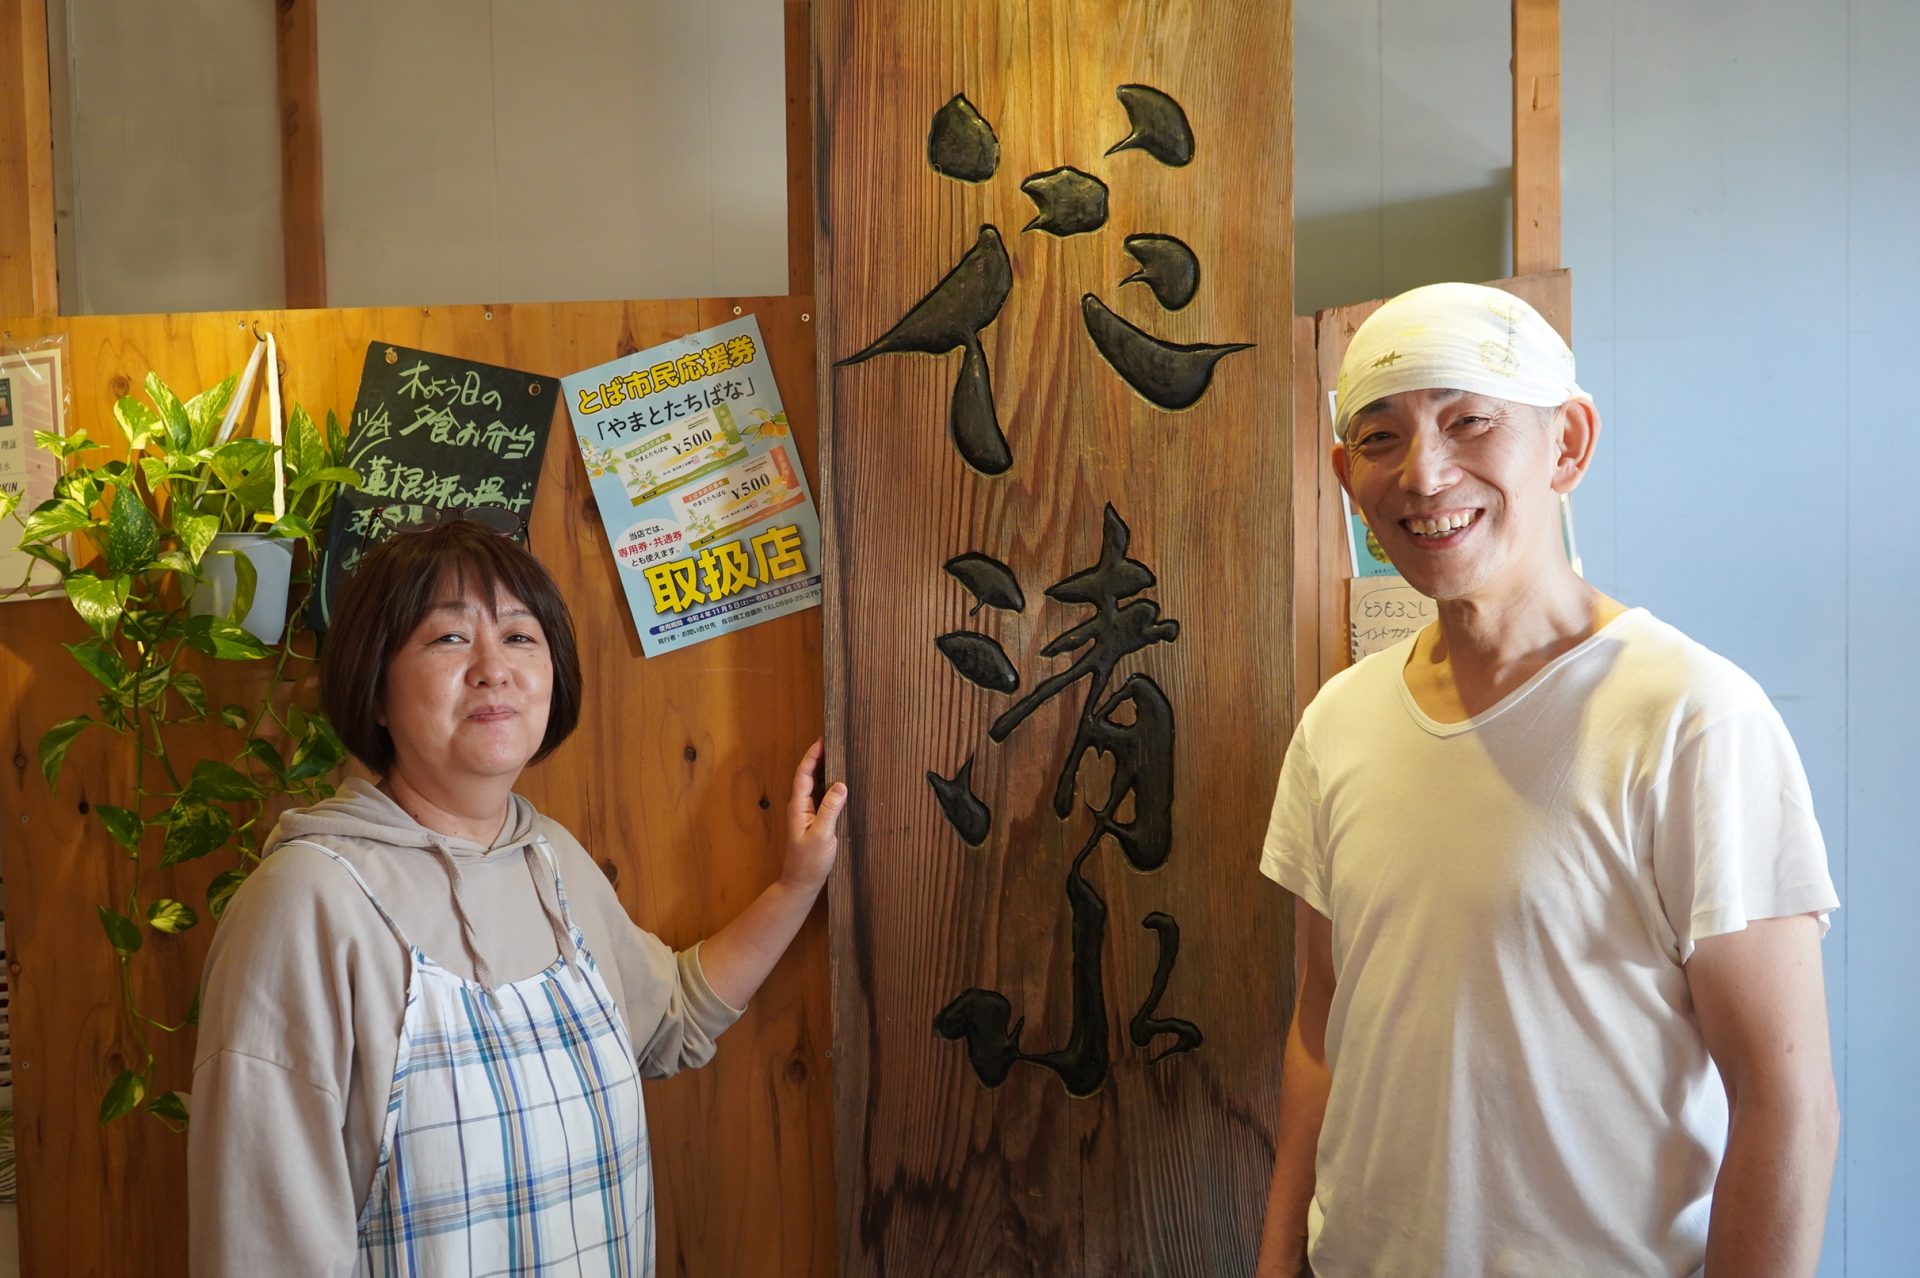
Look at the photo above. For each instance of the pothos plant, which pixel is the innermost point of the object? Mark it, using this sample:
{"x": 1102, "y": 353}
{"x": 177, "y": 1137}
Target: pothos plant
{"x": 149, "y": 519}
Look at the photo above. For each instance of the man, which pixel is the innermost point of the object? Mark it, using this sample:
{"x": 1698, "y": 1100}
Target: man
{"x": 1555, "y": 863}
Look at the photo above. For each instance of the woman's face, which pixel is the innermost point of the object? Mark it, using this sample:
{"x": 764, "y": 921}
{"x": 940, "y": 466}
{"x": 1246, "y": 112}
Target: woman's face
{"x": 467, "y": 694}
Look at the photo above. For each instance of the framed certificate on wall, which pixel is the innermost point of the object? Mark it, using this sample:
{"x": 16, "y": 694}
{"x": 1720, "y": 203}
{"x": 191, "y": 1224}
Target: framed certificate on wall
{"x": 33, "y": 398}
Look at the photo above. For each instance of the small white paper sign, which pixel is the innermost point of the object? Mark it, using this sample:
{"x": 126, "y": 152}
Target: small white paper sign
{"x": 1381, "y": 611}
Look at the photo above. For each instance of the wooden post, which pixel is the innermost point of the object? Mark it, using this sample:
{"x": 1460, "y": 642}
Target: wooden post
{"x": 302, "y": 209}
{"x": 1536, "y": 136}
{"x": 29, "y": 278}
{"x": 1056, "y": 1046}
{"x": 799, "y": 20}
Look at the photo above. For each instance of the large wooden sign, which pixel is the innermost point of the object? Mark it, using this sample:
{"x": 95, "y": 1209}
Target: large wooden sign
{"x": 1055, "y": 283}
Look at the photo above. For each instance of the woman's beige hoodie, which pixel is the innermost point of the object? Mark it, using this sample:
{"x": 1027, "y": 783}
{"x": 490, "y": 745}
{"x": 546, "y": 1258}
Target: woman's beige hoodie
{"x": 306, "y": 986}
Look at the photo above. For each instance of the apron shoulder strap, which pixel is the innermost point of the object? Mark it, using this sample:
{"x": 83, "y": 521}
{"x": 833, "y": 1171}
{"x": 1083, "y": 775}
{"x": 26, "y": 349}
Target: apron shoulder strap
{"x": 347, "y": 865}
{"x": 559, "y": 884}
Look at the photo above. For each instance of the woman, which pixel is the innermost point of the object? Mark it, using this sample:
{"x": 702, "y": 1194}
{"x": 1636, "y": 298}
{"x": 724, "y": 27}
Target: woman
{"x": 426, "y": 1014}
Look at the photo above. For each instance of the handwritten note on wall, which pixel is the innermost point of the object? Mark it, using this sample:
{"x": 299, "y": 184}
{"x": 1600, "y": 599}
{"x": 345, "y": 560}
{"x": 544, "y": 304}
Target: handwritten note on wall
{"x": 433, "y": 431}
{"x": 1381, "y": 611}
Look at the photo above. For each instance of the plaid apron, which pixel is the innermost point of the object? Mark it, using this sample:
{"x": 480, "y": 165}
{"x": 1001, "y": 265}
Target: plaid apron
{"x": 515, "y": 1141}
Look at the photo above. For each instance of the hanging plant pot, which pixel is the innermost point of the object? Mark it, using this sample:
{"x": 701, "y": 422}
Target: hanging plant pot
{"x": 272, "y": 560}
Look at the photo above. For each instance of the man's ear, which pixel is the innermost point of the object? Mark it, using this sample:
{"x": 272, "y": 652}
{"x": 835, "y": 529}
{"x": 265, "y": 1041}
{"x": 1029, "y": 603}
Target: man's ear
{"x": 1576, "y": 429}
{"x": 1340, "y": 462}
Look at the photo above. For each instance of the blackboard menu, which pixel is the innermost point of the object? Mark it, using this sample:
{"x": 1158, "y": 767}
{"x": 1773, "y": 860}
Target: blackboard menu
{"x": 432, "y": 432}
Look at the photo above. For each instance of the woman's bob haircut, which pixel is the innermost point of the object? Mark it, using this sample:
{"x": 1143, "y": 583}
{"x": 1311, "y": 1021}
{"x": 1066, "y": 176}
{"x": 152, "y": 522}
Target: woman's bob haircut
{"x": 389, "y": 595}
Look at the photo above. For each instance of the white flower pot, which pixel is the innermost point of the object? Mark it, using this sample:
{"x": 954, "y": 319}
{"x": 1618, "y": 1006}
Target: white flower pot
{"x": 272, "y": 560}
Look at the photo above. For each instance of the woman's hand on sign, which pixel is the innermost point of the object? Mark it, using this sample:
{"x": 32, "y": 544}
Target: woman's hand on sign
{"x": 811, "y": 841}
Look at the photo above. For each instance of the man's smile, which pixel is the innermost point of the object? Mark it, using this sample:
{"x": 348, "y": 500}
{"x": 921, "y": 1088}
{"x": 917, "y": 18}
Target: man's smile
{"x": 1440, "y": 527}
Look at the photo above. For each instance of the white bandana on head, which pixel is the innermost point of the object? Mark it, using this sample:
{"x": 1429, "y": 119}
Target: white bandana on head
{"x": 1459, "y": 337}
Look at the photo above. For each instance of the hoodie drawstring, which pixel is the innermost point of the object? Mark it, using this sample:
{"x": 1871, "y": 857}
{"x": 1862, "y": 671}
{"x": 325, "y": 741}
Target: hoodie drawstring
{"x": 481, "y": 972}
{"x": 542, "y": 888}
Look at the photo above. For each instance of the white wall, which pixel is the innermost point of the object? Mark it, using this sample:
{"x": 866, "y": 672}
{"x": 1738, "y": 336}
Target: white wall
{"x": 520, "y": 150}
{"x": 167, "y": 161}
{"x": 1740, "y": 181}
{"x": 472, "y": 151}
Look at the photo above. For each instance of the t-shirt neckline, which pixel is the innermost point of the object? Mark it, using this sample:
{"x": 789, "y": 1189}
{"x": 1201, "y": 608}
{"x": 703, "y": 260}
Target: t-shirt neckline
{"x": 1540, "y": 677}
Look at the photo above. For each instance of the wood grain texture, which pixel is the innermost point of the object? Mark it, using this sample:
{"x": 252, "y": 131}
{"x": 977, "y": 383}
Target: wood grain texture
{"x": 1163, "y": 1171}
{"x": 29, "y": 274}
{"x": 303, "y": 229}
{"x": 798, "y": 18}
{"x": 1309, "y": 529}
{"x": 675, "y": 781}
{"x": 1549, "y": 292}
{"x": 1536, "y": 136}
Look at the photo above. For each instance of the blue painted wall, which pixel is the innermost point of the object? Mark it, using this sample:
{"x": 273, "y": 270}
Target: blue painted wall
{"x": 1741, "y": 186}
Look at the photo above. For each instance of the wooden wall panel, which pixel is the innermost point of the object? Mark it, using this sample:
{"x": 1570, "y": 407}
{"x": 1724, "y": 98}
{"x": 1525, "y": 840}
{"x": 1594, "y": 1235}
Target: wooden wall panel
{"x": 1536, "y": 136}
{"x": 1310, "y": 475}
{"x": 29, "y": 281}
{"x": 303, "y": 207}
{"x": 1162, "y": 1170}
{"x": 1549, "y": 292}
{"x": 676, "y": 781}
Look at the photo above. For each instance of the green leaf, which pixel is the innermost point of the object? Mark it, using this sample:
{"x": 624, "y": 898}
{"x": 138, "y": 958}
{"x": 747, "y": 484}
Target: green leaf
{"x": 191, "y": 690}
{"x": 132, "y": 536}
{"x": 306, "y": 451}
{"x": 215, "y": 780}
{"x": 56, "y": 518}
{"x": 178, "y": 561}
{"x": 196, "y": 532}
{"x": 255, "y": 493}
{"x": 63, "y": 446}
{"x": 9, "y": 500}
{"x": 336, "y": 437}
{"x": 125, "y": 826}
{"x": 119, "y": 698}
{"x": 100, "y": 659}
{"x": 245, "y": 579}
{"x": 206, "y": 410}
{"x": 234, "y": 460}
{"x": 218, "y": 637}
{"x": 318, "y": 755}
{"x": 169, "y": 1106}
{"x": 49, "y": 555}
{"x": 297, "y": 721}
{"x": 99, "y": 600}
{"x": 123, "y": 1096}
{"x": 113, "y": 711}
{"x": 80, "y": 488}
{"x": 194, "y": 828}
{"x": 54, "y": 743}
{"x": 121, "y": 932}
{"x": 151, "y": 625}
{"x": 264, "y": 753}
{"x": 193, "y": 1008}
{"x": 170, "y": 916}
{"x": 220, "y": 891}
{"x": 345, "y": 476}
{"x": 173, "y": 414}
{"x": 137, "y": 422}
{"x": 292, "y": 527}
{"x": 234, "y": 716}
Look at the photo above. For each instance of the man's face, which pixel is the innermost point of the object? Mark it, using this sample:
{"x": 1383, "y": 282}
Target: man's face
{"x": 1461, "y": 490}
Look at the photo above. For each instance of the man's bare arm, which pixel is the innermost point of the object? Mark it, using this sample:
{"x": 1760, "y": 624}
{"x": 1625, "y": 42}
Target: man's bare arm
{"x": 1304, "y": 1082}
{"x": 1763, "y": 1012}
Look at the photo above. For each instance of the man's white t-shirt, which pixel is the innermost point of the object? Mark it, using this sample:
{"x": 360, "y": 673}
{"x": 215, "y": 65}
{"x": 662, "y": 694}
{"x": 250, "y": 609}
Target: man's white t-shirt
{"x": 1519, "y": 1082}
